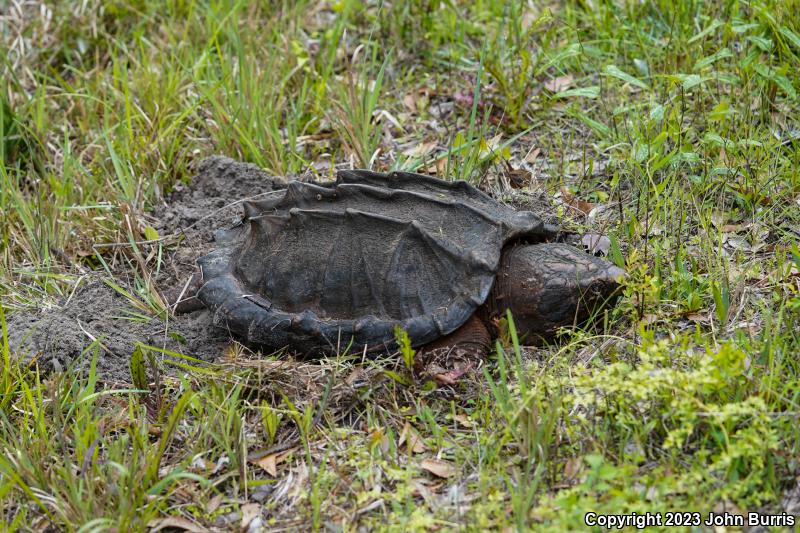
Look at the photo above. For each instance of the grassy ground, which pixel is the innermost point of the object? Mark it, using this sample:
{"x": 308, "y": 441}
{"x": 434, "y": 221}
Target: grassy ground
{"x": 668, "y": 127}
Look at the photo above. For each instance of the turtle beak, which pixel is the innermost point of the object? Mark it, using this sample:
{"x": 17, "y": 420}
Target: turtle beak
{"x": 612, "y": 282}
{"x": 603, "y": 287}
{"x": 616, "y": 275}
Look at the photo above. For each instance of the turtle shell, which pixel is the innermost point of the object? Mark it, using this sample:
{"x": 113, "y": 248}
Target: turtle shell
{"x": 335, "y": 266}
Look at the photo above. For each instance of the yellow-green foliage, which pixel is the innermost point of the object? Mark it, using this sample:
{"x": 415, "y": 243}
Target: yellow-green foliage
{"x": 694, "y": 405}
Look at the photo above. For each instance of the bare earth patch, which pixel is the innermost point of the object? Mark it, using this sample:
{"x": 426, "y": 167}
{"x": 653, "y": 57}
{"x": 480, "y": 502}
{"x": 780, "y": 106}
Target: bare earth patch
{"x": 57, "y": 338}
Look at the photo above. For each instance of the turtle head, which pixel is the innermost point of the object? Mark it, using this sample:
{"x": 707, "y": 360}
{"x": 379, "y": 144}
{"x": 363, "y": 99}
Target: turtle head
{"x": 548, "y": 286}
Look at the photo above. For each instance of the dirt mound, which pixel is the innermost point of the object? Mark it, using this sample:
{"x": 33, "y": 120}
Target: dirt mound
{"x": 211, "y": 201}
{"x": 57, "y": 338}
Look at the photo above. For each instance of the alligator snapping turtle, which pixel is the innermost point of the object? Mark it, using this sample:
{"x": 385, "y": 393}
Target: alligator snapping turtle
{"x": 328, "y": 266}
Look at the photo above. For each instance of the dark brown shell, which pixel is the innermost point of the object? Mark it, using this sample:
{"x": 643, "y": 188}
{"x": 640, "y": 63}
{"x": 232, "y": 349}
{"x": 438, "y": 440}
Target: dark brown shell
{"x": 340, "y": 265}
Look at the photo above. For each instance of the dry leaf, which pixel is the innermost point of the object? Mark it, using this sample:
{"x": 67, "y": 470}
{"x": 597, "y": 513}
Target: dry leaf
{"x": 421, "y": 150}
{"x": 734, "y": 228}
{"x": 250, "y": 512}
{"x": 417, "y": 100}
{"x": 532, "y": 155}
{"x": 357, "y": 378}
{"x": 464, "y": 420}
{"x": 596, "y": 244}
{"x": 584, "y": 207}
{"x": 580, "y": 205}
{"x": 494, "y": 144}
{"x": 175, "y": 522}
{"x": 451, "y": 376}
{"x": 420, "y": 489}
{"x": 741, "y": 243}
{"x": 573, "y": 467}
{"x": 410, "y": 435}
{"x": 719, "y": 218}
{"x": 214, "y": 503}
{"x": 519, "y": 178}
{"x": 558, "y": 84}
{"x": 438, "y": 168}
{"x": 410, "y": 102}
{"x": 698, "y": 318}
{"x": 649, "y": 318}
{"x": 379, "y": 115}
{"x": 269, "y": 464}
{"x": 438, "y": 467}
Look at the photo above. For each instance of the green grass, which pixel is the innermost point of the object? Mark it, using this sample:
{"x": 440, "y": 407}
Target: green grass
{"x": 679, "y": 119}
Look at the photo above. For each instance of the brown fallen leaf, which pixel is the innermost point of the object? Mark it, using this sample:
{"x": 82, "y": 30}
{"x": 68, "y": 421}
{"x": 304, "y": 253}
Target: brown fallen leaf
{"x": 742, "y": 244}
{"x": 250, "y": 512}
{"x": 572, "y": 201}
{"x": 410, "y": 101}
{"x": 734, "y": 228}
{"x": 439, "y": 168}
{"x": 519, "y": 178}
{"x": 421, "y": 150}
{"x": 464, "y": 420}
{"x": 269, "y": 464}
{"x": 410, "y": 436}
{"x": 559, "y": 83}
{"x": 214, "y": 503}
{"x": 175, "y": 522}
{"x": 532, "y": 155}
{"x": 573, "y": 467}
{"x": 438, "y": 468}
{"x": 698, "y": 318}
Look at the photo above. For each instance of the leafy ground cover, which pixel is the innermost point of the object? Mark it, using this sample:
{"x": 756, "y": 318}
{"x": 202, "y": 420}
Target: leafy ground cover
{"x": 666, "y": 131}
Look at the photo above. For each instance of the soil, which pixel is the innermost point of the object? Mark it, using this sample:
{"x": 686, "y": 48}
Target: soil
{"x": 57, "y": 339}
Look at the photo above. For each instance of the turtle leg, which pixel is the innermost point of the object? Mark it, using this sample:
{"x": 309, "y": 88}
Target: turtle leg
{"x": 183, "y": 299}
{"x": 456, "y": 354}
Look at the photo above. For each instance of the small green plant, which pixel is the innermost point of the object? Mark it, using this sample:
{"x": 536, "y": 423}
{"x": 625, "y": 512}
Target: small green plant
{"x": 404, "y": 344}
{"x": 530, "y": 415}
{"x": 722, "y": 302}
{"x": 270, "y": 421}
